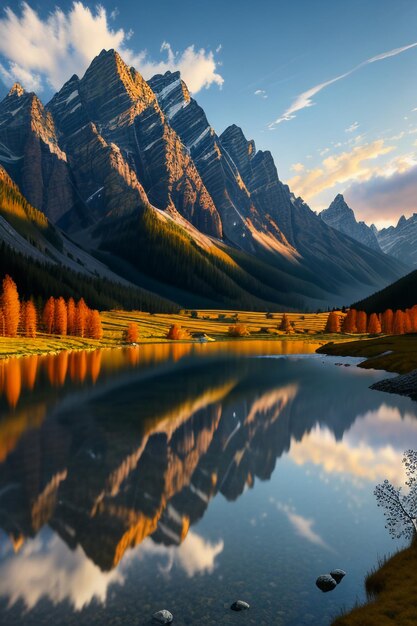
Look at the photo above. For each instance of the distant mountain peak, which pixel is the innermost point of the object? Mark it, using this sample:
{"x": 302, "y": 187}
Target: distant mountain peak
{"x": 340, "y": 216}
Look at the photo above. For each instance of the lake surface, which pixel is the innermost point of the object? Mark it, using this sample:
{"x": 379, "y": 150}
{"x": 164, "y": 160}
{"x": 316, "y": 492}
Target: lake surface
{"x": 189, "y": 476}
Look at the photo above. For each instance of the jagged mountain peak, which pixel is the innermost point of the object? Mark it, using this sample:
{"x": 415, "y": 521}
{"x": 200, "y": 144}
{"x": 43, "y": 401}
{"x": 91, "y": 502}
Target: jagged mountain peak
{"x": 17, "y": 90}
{"x": 341, "y": 217}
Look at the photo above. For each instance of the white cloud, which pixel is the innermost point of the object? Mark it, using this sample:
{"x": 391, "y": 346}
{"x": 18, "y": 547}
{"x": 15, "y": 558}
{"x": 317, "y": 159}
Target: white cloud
{"x": 303, "y": 526}
{"x": 261, "y": 93}
{"x": 52, "y": 49}
{"x": 351, "y": 129}
{"x": 193, "y": 556}
{"x": 305, "y": 99}
{"x": 47, "y": 568}
{"x": 197, "y": 67}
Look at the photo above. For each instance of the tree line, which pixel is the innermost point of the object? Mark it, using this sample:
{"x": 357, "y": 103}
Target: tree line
{"x": 57, "y": 317}
{"x": 389, "y": 322}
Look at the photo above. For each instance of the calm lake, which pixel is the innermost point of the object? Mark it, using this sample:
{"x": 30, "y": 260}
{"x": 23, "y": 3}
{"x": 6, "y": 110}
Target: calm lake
{"x": 189, "y": 476}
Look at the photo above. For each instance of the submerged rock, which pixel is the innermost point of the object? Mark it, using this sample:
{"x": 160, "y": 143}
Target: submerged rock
{"x": 239, "y": 605}
{"x": 163, "y": 617}
{"x": 326, "y": 583}
{"x": 337, "y": 574}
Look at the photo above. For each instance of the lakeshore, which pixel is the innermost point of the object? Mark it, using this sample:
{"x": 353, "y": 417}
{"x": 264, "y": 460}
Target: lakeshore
{"x": 153, "y": 328}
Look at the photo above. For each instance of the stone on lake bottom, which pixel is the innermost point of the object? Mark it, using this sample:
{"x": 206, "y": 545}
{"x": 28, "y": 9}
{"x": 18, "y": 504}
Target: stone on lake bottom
{"x": 239, "y": 605}
{"x": 338, "y": 574}
{"x": 326, "y": 583}
{"x": 163, "y": 617}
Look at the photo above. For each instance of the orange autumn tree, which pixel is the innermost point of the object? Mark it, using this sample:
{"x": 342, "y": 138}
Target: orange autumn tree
{"x": 398, "y": 325}
{"x": 71, "y": 317}
{"x": 81, "y": 311}
{"x": 349, "y": 323}
{"x": 30, "y": 319}
{"x": 131, "y": 334}
{"x": 61, "y": 317}
{"x": 413, "y": 317}
{"x": 48, "y": 316}
{"x": 387, "y": 321}
{"x": 407, "y": 321}
{"x": 333, "y": 323}
{"x": 94, "y": 328}
{"x": 361, "y": 322}
{"x": 374, "y": 325}
{"x": 2, "y": 324}
{"x": 10, "y": 305}
{"x": 177, "y": 332}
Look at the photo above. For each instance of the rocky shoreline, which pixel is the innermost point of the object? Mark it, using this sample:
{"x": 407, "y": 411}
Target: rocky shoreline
{"x": 404, "y": 385}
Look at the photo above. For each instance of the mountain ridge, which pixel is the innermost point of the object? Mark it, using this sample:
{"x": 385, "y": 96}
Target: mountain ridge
{"x": 138, "y": 161}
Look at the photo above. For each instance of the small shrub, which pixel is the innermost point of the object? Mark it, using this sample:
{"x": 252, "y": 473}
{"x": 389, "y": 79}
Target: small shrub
{"x": 238, "y": 330}
{"x": 177, "y": 332}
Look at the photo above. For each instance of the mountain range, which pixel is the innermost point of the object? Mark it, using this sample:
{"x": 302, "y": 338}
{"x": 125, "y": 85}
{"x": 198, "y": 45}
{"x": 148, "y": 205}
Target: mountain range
{"x": 133, "y": 174}
{"x": 398, "y": 241}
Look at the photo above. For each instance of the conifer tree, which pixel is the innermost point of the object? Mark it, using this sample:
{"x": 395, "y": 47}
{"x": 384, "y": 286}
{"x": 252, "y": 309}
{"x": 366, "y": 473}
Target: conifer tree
{"x": 333, "y": 323}
{"x": 94, "y": 328}
{"x": 132, "y": 333}
{"x": 374, "y": 326}
{"x": 361, "y": 322}
{"x": 81, "y": 311}
{"x": 398, "y": 325}
{"x": 10, "y": 305}
{"x": 48, "y": 316}
{"x": 407, "y": 321}
{"x": 387, "y": 321}
{"x": 61, "y": 318}
{"x": 71, "y": 317}
{"x": 349, "y": 323}
{"x": 30, "y": 320}
{"x": 285, "y": 324}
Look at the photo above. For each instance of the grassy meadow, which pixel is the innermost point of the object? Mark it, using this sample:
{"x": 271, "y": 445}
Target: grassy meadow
{"x": 154, "y": 328}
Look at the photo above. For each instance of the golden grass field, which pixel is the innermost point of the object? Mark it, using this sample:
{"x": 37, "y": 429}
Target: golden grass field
{"x": 154, "y": 328}
{"x": 392, "y": 594}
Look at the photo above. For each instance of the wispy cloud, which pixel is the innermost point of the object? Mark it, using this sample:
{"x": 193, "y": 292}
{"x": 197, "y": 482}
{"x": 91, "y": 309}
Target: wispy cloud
{"x": 345, "y": 167}
{"x": 305, "y": 99}
{"x": 351, "y": 129}
{"x": 261, "y": 93}
{"x": 303, "y": 526}
{"x": 48, "y": 51}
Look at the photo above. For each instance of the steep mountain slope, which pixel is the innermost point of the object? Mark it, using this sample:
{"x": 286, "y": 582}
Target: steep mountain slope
{"x": 400, "y": 295}
{"x": 341, "y": 217}
{"x": 144, "y": 182}
{"x": 30, "y": 152}
{"x": 44, "y": 261}
{"x": 243, "y": 225}
{"x": 400, "y": 241}
{"x": 121, "y": 149}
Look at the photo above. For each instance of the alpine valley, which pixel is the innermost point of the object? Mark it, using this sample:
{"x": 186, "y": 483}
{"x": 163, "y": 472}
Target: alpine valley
{"x": 125, "y": 182}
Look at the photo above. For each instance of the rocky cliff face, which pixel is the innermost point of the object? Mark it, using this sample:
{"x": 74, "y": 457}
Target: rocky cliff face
{"x": 243, "y": 224}
{"x": 29, "y": 150}
{"x": 400, "y": 241}
{"x": 123, "y": 152}
{"x": 341, "y": 217}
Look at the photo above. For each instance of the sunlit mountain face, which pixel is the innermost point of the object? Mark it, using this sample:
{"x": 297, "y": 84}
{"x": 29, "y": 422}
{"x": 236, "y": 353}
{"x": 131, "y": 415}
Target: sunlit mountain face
{"x": 125, "y": 473}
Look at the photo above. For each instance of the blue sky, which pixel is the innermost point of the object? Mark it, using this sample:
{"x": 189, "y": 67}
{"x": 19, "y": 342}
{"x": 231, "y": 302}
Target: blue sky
{"x": 358, "y": 137}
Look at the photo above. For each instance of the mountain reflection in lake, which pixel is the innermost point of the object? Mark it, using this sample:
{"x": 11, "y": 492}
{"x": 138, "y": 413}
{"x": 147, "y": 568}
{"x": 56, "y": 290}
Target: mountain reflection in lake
{"x": 187, "y": 477}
